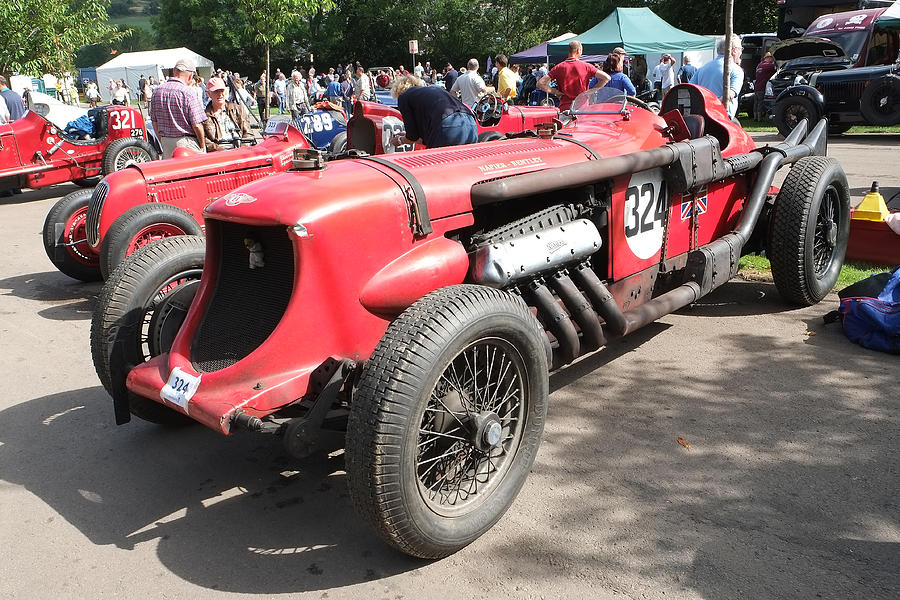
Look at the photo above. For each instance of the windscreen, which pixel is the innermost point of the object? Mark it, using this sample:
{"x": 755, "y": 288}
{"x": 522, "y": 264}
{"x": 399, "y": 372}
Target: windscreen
{"x": 587, "y": 100}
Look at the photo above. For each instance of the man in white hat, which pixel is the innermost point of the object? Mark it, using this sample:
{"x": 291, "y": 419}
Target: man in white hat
{"x": 225, "y": 122}
{"x": 176, "y": 112}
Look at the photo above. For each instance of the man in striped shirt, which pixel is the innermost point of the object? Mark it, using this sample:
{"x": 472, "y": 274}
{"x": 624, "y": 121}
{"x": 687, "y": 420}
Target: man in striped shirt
{"x": 176, "y": 112}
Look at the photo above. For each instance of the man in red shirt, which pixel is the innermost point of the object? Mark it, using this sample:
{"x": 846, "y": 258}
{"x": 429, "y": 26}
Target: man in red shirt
{"x": 572, "y": 77}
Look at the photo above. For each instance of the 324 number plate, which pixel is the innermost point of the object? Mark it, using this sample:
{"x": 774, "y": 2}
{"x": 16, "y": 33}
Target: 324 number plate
{"x": 180, "y": 388}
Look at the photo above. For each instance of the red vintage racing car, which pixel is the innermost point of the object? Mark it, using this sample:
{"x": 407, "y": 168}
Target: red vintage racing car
{"x": 35, "y": 153}
{"x": 89, "y": 232}
{"x": 414, "y": 303}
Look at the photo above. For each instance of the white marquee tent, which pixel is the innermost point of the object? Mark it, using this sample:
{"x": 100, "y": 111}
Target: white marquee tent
{"x": 159, "y": 63}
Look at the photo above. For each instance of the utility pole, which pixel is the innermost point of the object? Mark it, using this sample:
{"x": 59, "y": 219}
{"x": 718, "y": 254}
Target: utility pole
{"x": 729, "y": 31}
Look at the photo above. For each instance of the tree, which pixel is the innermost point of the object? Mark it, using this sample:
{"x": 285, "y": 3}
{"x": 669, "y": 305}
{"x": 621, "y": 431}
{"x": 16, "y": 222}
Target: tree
{"x": 268, "y": 20}
{"x": 43, "y": 36}
{"x": 708, "y": 16}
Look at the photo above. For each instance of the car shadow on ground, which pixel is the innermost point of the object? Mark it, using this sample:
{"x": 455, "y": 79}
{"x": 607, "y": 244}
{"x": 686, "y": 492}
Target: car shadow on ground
{"x": 232, "y": 514}
{"x": 739, "y": 298}
{"x": 29, "y": 195}
{"x": 766, "y": 469}
{"x": 69, "y": 298}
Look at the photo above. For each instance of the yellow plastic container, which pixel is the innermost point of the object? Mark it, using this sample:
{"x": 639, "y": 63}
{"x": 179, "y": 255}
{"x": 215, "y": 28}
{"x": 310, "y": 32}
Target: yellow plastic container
{"x": 873, "y": 207}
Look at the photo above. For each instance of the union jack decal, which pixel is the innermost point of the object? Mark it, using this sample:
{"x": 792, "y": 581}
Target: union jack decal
{"x": 687, "y": 205}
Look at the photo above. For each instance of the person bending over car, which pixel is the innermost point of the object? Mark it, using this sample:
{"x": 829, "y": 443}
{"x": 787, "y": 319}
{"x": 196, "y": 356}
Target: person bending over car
{"x": 432, "y": 115}
{"x": 572, "y": 77}
{"x": 225, "y": 120}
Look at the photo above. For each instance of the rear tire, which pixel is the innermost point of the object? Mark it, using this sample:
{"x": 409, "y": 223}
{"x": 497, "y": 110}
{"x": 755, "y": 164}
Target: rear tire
{"x": 135, "y": 317}
{"x": 126, "y": 151}
{"x": 140, "y": 225}
{"x": 419, "y": 402}
{"x": 65, "y": 238}
{"x": 87, "y": 182}
{"x": 338, "y": 144}
{"x": 490, "y": 135}
{"x": 839, "y": 128}
{"x": 793, "y": 109}
{"x": 880, "y": 101}
{"x": 808, "y": 230}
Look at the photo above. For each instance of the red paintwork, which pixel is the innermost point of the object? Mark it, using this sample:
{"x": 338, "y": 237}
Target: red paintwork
{"x": 23, "y": 139}
{"x": 873, "y": 242}
{"x": 193, "y": 180}
{"x": 75, "y": 239}
{"x": 148, "y": 234}
{"x": 358, "y": 262}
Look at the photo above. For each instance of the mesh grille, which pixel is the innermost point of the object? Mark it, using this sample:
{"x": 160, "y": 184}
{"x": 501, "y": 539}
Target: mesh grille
{"x": 247, "y": 304}
{"x": 92, "y": 221}
{"x": 843, "y": 91}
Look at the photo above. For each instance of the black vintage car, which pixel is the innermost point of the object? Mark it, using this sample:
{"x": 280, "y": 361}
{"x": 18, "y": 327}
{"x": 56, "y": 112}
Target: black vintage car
{"x": 849, "y": 75}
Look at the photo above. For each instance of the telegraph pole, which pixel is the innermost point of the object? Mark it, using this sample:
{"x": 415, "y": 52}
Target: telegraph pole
{"x": 729, "y": 31}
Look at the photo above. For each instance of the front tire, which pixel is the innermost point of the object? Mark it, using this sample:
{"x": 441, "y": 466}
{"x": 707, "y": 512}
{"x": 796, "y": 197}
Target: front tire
{"x": 447, "y": 420}
{"x": 65, "y": 237}
{"x": 808, "y": 230}
{"x": 126, "y": 151}
{"x": 140, "y": 308}
{"x": 140, "y": 225}
{"x": 793, "y": 109}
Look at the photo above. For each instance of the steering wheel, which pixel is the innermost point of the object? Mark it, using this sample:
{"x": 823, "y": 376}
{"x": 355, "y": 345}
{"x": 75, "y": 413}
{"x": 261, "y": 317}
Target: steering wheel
{"x": 489, "y": 109}
{"x": 637, "y": 102}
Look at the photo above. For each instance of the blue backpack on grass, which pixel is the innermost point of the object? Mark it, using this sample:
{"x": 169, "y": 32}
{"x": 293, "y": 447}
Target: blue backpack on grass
{"x": 870, "y": 311}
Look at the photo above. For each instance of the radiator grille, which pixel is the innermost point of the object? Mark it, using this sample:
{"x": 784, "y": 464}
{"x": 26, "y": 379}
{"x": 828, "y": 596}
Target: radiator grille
{"x": 247, "y": 304}
{"x": 842, "y": 91}
{"x": 92, "y": 220}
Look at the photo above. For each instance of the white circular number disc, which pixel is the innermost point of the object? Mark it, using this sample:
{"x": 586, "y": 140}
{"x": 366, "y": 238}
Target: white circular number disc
{"x": 646, "y": 202}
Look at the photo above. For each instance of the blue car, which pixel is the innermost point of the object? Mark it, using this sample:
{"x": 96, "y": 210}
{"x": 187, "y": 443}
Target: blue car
{"x": 325, "y": 127}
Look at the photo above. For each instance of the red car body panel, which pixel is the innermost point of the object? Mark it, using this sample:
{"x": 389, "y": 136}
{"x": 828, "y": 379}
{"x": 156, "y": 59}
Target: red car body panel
{"x": 190, "y": 182}
{"x": 33, "y": 150}
{"x": 356, "y": 243}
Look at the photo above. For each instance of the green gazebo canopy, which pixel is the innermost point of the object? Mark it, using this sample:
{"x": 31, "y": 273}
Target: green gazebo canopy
{"x": 638, "y": 30}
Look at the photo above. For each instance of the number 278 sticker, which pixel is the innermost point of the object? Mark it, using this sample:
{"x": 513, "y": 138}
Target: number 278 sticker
{"x": 646, "y": 203}
{"x": 180, "y": 388}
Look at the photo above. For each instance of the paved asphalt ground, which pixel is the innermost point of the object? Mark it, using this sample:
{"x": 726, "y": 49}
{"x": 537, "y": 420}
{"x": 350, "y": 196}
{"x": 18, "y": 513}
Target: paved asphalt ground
{"x": 789, "y": 488}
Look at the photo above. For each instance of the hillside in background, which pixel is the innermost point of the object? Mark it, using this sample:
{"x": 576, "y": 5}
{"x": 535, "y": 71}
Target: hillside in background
{"x": 133, "y": 13}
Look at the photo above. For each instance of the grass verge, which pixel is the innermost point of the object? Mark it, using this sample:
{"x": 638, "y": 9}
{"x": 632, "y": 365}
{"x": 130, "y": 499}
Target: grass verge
{"x": 758, "y": 268}
{"x": 767, "y": 126}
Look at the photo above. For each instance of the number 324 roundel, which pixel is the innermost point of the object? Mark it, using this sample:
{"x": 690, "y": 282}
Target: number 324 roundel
{"x": 646, "y": 203}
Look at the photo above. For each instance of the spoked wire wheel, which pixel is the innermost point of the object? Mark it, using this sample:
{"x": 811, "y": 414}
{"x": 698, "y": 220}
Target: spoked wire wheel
{"x": 130, "y": 156}
{"x": 825, "y": 236}
{"x": 447, "y": 419}
{"x": 472, "y": 426}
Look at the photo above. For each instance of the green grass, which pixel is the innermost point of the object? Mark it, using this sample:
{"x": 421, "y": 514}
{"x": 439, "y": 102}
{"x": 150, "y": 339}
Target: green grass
{"x": 767, "y": 126}
{"x": 758, "y": 268}
{"x": 142, "y": 21}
